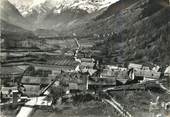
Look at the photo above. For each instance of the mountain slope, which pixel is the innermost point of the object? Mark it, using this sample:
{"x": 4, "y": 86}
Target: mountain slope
{"x": 10, "y": 14}
{"x": 13, "y": 35}
{"x": 42, "y": 6}
{"x": 143, "y": 37}
{"x": 57, "y": 21}
{"x": 137, "y": 32}
{"x": 132, "y": 30}
{"x": 7, "y": 28}
{"x": 59, "y": 14}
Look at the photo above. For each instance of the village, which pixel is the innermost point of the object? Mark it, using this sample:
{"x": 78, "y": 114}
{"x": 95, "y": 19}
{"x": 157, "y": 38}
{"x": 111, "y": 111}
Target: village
{"x": 32, "y": 79}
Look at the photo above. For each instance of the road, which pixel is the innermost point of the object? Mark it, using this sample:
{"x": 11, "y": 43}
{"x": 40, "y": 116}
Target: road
{"x": 77, "y": 51}
{"x": 118, "y": 108}
{"x": 29, "y": 107}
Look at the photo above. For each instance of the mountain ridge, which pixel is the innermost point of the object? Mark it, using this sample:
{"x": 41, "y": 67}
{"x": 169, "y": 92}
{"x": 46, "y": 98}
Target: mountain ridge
{"x": 134, "y": 32}
{"x": 10, "y": 14}
{"x": 59, "y": 5}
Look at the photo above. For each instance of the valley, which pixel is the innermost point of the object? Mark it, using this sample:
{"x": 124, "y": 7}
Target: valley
{"x": 87, "y": 58}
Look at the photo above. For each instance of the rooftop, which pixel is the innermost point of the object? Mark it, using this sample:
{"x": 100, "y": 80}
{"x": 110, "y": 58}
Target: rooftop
{"x": 36, "y": 80}
{"x": 32, "y": 90}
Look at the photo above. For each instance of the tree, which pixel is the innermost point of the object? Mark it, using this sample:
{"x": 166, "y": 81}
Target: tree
{"x": 30, "y": 71}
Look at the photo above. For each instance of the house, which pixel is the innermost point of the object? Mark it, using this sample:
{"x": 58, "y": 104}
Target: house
{"x": 118, "y": 74}
{"x": 135, "y": 66}
{"x": 6, "y": 92}
{"x": 73, "y": 81}
{"x": 87, "y": 65}
{"x": 112, "y": 76}
{"x": 167, "y": 71}
{"x": 145, "y": 68}
{"x": 69, "y": 53}
{"x": 112, "y": 67}
{"x": 147, "y": 74}
{"x": 84, "y": 54}
{"x": 89, "y": 60}
{"x": 36, "y": 82}
{"x": 91, "y": 71}
{"x": 73, "y": 86}
{"x": 87, "y": 45}
{"x": 28, "y": 43}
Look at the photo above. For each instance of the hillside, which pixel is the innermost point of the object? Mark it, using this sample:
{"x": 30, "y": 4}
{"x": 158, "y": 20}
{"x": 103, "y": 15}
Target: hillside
{"x": 10, "y": 14}
{"x": 146, "y": 39}
{"x": 58, "y": 14}
{"x": 132, "y": 30}
{"x": 141, "y": 32}
{"x": 12, "y": 34}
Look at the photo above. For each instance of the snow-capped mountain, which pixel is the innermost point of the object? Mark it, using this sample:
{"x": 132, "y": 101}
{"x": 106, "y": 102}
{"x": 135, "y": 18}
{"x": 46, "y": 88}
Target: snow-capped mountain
{"x": 57, "y": 6}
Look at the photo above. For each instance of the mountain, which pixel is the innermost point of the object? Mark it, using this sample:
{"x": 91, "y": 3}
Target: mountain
{"x": 7, "y": 28}
{"x": 13, "y": 35}
{"x": 11, "y": 21}
{"x": 11, "y": 31}
{"x": 133, "y": 31}
{"x": 142, "y": 34}
{"x": 129, "y": 30}
{"x": 43, "y": 6}
{"x": 56, "y": 21}
{"x": 58, "y": 14}
{"x": 10, "y": 14}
